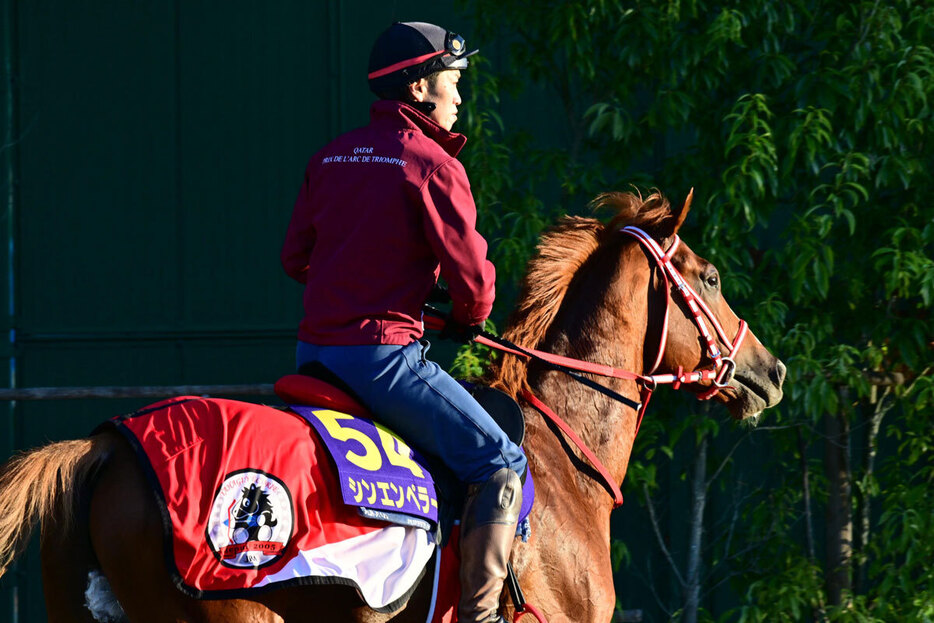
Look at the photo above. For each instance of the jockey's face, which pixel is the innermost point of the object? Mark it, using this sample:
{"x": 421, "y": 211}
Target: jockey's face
{"x": 442, "y": 92}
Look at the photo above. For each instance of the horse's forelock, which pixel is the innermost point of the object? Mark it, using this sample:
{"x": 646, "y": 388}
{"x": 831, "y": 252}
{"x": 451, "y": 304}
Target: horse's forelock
{"x": 652, "y": 214}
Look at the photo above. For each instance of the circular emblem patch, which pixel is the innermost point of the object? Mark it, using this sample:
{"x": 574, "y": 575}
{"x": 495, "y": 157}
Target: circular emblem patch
{"x": 251, "y": 520}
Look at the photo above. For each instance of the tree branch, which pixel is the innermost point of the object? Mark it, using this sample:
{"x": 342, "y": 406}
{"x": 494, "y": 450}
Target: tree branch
{"x": 806, "y": 494}
{"x": 865, "y": 499}
{"x": 725, "y": 460}
{"x": 839, "y": 527}
{"x": 658, "y": 535}
{"x": 808, "y": 517}
{"x": 696, "y": 535}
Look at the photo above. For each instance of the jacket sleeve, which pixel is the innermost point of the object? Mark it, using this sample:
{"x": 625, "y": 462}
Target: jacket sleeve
{"x": 450, "y": 227}
{"x": 300, "y": 236}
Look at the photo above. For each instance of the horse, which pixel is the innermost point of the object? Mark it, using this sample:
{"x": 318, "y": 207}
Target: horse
{"x": 592, "y": 294}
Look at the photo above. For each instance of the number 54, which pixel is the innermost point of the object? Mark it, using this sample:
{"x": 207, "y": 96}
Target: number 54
{"x": 371, "y": 459}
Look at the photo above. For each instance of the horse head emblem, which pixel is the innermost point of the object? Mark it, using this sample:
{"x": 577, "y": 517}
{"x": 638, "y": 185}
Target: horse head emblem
{"x": 253, "y": 516}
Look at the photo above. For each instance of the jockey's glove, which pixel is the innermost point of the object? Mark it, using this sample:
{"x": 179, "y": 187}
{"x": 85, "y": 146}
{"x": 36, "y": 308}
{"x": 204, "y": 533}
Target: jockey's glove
{"x": 439, "y": 294}
{"x": 463, "y": 333}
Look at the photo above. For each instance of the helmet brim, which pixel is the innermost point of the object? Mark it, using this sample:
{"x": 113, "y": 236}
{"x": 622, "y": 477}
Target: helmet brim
{"x": 457, "y": 62}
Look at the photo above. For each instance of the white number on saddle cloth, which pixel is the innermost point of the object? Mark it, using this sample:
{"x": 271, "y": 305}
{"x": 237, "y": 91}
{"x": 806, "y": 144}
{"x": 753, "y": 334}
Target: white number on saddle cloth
{"x": 376, "y": 469}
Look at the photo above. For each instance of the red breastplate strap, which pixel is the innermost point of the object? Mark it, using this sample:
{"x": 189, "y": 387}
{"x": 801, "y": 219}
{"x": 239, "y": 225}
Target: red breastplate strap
{"x": 567, "y": 430}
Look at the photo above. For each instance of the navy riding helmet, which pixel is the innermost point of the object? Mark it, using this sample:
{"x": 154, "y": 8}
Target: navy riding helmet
{"x": 408, "y": 51}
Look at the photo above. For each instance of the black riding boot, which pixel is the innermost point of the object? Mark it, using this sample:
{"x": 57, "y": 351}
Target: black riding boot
{"x": 488, "y": 530}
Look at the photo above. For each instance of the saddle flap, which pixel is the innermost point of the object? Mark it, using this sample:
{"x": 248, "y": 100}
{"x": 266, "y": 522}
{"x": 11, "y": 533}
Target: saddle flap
{"x": 299, "y": 389}
{"x": 504, "y": 410}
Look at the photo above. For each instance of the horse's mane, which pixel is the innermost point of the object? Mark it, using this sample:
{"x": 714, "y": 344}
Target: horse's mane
{"x": 562, "y": 250}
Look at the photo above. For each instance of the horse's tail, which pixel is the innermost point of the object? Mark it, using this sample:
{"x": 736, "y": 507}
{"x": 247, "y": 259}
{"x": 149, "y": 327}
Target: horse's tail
{"x": 40, "y": 484}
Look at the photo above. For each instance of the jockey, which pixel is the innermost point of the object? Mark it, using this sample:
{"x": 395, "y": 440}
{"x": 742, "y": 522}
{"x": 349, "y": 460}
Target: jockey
{"x": 383, "y": 211}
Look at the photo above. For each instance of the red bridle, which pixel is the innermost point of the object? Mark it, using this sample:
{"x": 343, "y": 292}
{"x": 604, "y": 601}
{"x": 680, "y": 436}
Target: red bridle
{"x": 724, "y": 367}
{"x": 720, "y": 374}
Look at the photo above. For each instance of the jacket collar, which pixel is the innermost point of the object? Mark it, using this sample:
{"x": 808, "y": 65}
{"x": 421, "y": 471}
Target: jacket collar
{"x": 401, "y": 115}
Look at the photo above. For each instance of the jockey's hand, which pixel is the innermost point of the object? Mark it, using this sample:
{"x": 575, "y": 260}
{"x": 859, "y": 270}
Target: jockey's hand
{"x": 465, "y": 334}
{"x": 439, "y": 294}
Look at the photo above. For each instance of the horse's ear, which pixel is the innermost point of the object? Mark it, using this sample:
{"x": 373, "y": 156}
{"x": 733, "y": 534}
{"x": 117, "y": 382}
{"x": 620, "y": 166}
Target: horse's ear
{"x": 684, "y": 211}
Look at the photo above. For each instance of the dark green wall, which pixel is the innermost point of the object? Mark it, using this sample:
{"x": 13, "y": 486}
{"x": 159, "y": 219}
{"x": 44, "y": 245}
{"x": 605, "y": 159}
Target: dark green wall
{"x": 150, "y": 155}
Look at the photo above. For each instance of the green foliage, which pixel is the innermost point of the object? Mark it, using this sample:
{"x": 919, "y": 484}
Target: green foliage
{"x": 471, "y": 360}
{"x": 619, "y": 554}
{"x": 806, "y": 129}
{"x": 788, "y": 594}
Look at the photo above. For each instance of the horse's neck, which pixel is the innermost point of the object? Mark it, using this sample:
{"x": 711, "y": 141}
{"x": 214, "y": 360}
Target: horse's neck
{"x": 571, "y": 517}
{"x": 605, "y": 425}
{"x": 603, "y": 320}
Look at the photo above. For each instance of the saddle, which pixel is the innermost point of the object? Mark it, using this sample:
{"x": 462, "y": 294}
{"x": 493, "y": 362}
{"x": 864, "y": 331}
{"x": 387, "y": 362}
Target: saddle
{"x": 317, "y": 386}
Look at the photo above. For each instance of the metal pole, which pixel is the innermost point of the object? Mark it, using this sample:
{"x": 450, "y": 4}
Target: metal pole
{"x": 159, "y": 391}
{"x": 335, "y": 69}
{"x": 8, "y": 152}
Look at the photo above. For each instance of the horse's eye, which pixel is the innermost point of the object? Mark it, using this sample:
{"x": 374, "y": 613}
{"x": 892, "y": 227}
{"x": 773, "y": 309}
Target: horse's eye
{"x": 713, "y": 280}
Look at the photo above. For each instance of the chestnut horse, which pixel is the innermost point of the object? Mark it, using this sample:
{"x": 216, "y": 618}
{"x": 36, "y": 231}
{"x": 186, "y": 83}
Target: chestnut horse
{"x": 592, "y": 293}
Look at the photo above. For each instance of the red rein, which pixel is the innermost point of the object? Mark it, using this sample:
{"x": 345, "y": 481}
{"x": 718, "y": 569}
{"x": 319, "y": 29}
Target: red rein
{"x": 719, "y": 375}
{"x": 529, "y": 609}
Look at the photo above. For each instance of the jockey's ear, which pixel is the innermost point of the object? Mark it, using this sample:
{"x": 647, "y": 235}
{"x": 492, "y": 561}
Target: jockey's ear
{"x": 684, "y": 211}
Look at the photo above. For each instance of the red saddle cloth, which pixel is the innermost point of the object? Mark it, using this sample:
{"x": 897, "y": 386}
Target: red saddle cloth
{"x": 250, "y": 501}
{"x": 301, "y": 389}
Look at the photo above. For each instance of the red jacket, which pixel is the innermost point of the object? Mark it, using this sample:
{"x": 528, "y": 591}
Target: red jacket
{"x": 382, "y": 211}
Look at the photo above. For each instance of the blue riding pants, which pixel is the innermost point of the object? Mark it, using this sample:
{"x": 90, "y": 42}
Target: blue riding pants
{"x": 417, "y": 399}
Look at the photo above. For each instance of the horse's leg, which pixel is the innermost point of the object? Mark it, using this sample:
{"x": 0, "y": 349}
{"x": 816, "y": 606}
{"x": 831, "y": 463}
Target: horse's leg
{"x": 126, "y": 536}
{"x": 66, "y": 561}
{"x": 569, "y": 579}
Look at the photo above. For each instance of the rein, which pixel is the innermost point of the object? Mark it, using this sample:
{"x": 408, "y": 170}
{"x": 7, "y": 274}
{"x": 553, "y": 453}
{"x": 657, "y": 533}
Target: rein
{"x": 720, "y": 374}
